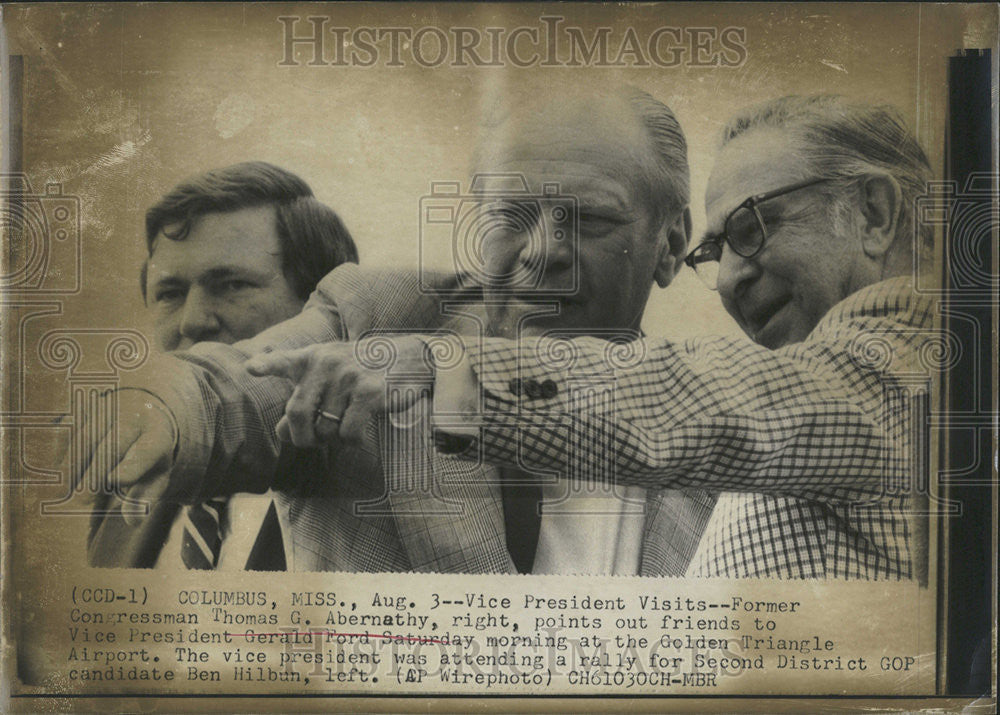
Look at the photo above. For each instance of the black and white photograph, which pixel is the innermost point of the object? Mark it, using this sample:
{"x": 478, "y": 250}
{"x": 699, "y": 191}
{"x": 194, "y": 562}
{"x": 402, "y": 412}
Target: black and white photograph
{"x": 598, "y": 356}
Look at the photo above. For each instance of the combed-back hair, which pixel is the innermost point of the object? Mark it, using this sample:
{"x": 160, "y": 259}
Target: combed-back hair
{"x": 312, "y": 238}
{"x": 669, "y": 144}
{"x": 845, "y": 140}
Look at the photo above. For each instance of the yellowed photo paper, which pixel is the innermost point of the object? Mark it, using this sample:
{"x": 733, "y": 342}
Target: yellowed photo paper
{"x": 598, "y": 356}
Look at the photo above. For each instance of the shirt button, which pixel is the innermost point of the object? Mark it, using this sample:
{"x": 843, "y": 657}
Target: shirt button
{"x": 515, "y": 386}
{"x": 549, "y": 389}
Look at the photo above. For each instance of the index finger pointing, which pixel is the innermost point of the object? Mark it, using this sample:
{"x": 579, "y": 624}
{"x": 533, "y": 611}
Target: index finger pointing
{"x": 290, "y": 364}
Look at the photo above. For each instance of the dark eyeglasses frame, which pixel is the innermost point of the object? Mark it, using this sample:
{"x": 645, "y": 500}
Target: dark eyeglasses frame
{"x": 711, "y": 250}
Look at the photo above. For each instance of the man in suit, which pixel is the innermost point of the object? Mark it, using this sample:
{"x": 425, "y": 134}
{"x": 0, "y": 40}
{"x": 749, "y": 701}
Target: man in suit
{"x": 231, "y": 252}
{"x": 807, "y": 432}
{"x": 622, "y": 155}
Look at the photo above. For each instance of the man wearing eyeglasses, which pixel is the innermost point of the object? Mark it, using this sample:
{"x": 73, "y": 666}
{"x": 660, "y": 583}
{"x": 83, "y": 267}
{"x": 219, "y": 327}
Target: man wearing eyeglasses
{"x": 807, "y": 434}
{"x": 786, "y": 255}
{"x": 744, "y": 233}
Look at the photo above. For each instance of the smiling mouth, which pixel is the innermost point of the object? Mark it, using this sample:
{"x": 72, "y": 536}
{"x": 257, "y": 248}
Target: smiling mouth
{"x": 760, "y": 319}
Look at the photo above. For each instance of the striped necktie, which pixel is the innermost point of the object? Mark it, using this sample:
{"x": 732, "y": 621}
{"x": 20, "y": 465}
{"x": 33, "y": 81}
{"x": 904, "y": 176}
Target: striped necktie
{"x": 203, "y": 534}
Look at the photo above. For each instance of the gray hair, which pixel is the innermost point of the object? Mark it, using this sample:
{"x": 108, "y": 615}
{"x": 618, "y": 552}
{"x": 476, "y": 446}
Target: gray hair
{"x": 670, "y": 147}
{"x": 845, "y": 140}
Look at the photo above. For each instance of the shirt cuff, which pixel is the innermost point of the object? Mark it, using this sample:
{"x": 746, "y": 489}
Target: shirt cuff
{"x": 457, "y": 413}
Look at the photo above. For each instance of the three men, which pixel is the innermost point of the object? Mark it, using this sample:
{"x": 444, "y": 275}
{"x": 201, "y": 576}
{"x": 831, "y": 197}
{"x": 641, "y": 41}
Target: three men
{"x": 804, "y": 437}
{"x": 622, "y": 157}
{"x": 230, "y": 253}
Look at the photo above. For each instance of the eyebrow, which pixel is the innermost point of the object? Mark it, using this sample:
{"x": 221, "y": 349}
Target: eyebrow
{"x": 222, "y": 272}
{"x": 165, "y": 281}
{"x": 213, "y": 274}
{"x": 609, "y": 191}
{"x": 603, "y": 197}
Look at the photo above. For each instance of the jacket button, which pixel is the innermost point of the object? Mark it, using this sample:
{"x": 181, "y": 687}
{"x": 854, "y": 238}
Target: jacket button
{"x": 532, "y": 389}
{"x": 515, "y": 386}
{"x": 549, "y": 389}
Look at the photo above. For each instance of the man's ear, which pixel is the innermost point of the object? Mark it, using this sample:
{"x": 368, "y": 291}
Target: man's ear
{"x": 881, "y": 202}
{"x": 673, "y": 248}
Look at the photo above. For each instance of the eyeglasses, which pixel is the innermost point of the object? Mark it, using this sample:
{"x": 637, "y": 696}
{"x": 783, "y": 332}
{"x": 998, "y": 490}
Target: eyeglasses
{"x": 744, "y": 230}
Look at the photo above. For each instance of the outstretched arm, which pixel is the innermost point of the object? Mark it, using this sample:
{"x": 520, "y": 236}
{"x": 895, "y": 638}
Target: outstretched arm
{"x": 832, "y": 418}
{"x": 200, "y": 418}
{"x": 825, "y": 419}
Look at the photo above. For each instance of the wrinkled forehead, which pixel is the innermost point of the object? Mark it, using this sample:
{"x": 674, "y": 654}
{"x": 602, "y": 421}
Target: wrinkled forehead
{"x": 759, "y": 161}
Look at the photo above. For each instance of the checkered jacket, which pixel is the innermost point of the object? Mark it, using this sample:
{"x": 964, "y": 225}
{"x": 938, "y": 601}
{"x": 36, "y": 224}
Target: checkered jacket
{"x": 812, "y": 450}
{"x": 396, "y": 507}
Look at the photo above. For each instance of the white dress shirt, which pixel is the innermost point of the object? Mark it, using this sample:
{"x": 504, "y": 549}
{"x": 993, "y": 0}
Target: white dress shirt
{"x": 586, "y": 528}
{"x": 245, "y": 517}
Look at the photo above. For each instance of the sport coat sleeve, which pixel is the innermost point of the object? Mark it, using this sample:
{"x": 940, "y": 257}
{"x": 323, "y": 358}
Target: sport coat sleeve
{"x": 830, "y": 419}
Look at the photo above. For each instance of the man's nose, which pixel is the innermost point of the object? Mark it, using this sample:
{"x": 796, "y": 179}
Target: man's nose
{"x": 199, "y": 320}
{"x": 736, "y": 274}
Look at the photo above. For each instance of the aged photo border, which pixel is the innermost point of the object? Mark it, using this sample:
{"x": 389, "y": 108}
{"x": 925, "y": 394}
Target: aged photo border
{"x": 966, "y": 602}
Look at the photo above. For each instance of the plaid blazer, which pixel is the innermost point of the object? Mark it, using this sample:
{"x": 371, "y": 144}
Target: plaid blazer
{"x": 814, "y": 449}
{"x": 400, "y": 506}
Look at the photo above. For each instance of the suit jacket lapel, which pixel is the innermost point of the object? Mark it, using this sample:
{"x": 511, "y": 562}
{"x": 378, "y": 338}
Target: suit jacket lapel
{"x": 448, "y": 513}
